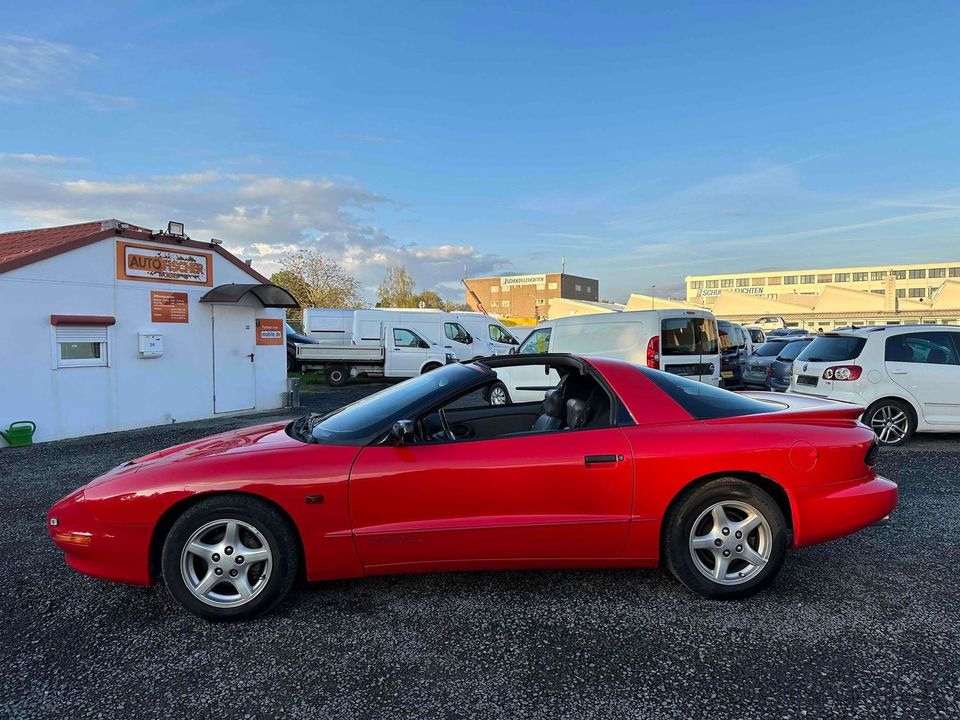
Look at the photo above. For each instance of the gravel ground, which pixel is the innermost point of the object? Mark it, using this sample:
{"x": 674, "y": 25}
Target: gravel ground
{"x": 867, "y": 626}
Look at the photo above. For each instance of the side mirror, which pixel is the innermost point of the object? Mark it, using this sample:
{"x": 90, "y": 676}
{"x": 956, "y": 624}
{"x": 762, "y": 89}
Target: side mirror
{"x": 513, "y": 351}
{"x": 469, "y": 339}
{"x": 424, "y": 345}
{"x": 402, "y": 431}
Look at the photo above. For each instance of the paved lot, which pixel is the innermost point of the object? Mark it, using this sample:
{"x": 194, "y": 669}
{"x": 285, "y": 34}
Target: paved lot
{"x": 867, "y": 626}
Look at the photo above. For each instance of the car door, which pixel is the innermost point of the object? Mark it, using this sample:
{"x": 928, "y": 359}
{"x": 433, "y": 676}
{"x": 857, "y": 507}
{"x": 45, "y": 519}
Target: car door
{"x": 556, "y": 496}
{"x": 458, "y": 340}
{"x": 405, "y": 352}
{"x": 927, "y": 365}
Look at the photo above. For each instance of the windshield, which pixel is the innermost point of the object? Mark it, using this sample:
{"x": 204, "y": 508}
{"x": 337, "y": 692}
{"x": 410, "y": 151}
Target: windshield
{"x": 832, "y": 348}
{"x": 769, "y": 349}
{"x": 373, "y": 414}
{"x": 793, "y": 349}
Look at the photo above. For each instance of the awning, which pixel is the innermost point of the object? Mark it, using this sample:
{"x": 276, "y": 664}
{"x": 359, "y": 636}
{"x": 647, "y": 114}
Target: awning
{"x": 269, "y": 295}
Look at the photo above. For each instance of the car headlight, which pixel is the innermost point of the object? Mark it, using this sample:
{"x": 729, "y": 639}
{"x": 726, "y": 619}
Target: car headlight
{"x": 451, "y": 358}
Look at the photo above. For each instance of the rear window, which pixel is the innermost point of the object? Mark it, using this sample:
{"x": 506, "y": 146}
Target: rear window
{"x": 705, "y": 402}
{"x": 832, "y": 348}
{"x": 793, "y": 349}
{"x": 769, "y": 349}
{"x": 688, "y": 336}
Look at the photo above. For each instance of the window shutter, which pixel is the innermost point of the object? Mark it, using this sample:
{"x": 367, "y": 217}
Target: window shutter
{"x": 80, "y": 333}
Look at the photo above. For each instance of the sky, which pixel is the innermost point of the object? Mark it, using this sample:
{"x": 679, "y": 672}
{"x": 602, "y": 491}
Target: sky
{"x": 641, "y": 142}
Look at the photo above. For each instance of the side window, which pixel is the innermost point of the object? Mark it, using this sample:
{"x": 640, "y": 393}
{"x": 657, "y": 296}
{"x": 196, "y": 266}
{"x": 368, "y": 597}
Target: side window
{"x": 455, "y": 332}
{"x": 537, "y": 342}
{"x": 498, "y": 334}
{"x": 405, "y": 338}
{"x": 934, "y": 348}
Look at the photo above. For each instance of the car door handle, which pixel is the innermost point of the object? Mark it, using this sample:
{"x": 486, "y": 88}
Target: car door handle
{"x": 898, "y": 372}
{"x": 589, "y": 460}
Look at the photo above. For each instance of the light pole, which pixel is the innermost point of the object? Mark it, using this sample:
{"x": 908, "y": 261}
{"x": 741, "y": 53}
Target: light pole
{"x": 653, "y": 297}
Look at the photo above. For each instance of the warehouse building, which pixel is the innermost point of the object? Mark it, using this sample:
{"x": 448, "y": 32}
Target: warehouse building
{"x": 110, "y": 326}
{"x": 527, "y": 296}
{"x": 916, "y": 282}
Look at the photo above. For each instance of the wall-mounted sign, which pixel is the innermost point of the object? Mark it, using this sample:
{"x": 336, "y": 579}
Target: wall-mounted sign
{"x": 173, "y": 265}
{"x": 523, "y": 280}
{"x": 169, "y": 307}
{"x": 714, "y": 292}
{"x": 269, "y": 331}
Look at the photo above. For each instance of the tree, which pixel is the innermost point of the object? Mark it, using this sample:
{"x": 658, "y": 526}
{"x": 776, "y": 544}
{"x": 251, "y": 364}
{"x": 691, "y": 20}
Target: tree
{"x": 316, "y": 280}
{"x": 430, "y": 299}
{"x": 396, "y": 290}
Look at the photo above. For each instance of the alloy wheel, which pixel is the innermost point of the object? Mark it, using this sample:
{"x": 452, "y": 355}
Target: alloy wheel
{"x": 890, "y": 423}
{"x": 730, "y": 542}
{"x": 226, "y": 563}
{"x": 498, "y": 396}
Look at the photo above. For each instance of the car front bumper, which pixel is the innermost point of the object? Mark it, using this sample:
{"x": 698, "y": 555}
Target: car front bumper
{"x": 118, "y": 552}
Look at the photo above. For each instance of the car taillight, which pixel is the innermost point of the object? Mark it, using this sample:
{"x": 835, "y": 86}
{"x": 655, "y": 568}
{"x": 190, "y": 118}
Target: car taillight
{"x": 770, "y": 371}
{"x": 872, "y": 453}
{"x": 843, "y": 372}
{"x": 653, "y": 353}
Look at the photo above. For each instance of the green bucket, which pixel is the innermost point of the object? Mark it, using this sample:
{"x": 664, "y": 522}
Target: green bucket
{"x": 20, "y": 433}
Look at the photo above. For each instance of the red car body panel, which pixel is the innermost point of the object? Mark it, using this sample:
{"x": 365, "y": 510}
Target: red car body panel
{"x": 510, "y": 502}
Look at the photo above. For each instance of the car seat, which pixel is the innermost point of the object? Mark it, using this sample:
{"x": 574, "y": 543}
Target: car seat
{"x": 551, "y": 412}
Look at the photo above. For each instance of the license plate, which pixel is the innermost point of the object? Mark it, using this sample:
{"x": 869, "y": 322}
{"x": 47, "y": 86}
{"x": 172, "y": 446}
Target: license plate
{"x": 807, "y": 380}
{"x": 727, "y": 374}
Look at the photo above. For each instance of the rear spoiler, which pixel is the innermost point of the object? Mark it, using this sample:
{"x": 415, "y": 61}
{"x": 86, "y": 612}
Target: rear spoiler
{"x": 798, "y": 408}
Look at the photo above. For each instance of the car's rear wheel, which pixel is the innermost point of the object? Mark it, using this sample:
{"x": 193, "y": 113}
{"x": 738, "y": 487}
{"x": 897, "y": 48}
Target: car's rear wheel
{"x": 891, "y": 420}
{"x": 229, "y": 558}
{"x": 726, "y": 539}
{"x": 337, "y": 375}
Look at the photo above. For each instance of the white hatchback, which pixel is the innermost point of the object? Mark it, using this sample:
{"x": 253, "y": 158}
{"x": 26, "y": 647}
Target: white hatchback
{"x": 906, "y": 376}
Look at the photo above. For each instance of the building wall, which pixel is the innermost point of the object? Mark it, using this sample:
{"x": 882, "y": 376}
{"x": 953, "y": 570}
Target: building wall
{"x": 132, "y": 391}
{"x": 529, "y": 296}
{"x": 912, "y": 281}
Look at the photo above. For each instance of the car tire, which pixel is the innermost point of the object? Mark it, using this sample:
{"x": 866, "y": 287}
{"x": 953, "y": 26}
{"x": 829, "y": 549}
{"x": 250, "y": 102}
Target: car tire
{"x": 429, "y": 367}
{"x": 292, "y": 364}
{"x": 337, "y": 375}
{"x": 258, "y": 531}
{"x": 693, "y": 527}
{"x": 497, "y": 394}
{"x": 891, "y": 420}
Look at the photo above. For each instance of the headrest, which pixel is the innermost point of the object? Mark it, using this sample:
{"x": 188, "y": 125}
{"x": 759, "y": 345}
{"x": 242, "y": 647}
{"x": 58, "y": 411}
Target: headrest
{"x": 576, "y": 412}
{"x": 937, "y": 356}
{"x": 552, "y": 403}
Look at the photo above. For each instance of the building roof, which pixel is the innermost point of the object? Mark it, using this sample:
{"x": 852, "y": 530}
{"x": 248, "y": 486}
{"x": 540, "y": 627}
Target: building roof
{"x": 23, "y": 247}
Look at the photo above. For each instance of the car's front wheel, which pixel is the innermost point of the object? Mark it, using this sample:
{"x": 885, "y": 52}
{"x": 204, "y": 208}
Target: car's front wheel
{"x": 891, "y": 420}
{"x": 726, "y": 539}
{"x": 229, "y": 558}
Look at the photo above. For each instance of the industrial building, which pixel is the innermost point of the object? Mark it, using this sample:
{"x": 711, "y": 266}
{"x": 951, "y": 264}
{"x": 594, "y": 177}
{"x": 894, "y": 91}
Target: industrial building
{"x": 527, "y": 296}
{"x": 917, "y": 282}
{"x": 111, "y": 326}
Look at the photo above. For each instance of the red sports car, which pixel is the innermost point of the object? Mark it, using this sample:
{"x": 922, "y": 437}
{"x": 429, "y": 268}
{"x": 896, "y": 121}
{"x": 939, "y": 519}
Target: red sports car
{"x": 618, "y": 466}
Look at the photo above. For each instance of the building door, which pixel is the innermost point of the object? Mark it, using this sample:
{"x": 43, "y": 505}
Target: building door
{"x": 234, "y": 375}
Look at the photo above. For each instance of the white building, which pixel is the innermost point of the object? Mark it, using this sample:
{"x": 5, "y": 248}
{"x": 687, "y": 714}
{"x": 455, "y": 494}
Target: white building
{"x": 109, "y": 326}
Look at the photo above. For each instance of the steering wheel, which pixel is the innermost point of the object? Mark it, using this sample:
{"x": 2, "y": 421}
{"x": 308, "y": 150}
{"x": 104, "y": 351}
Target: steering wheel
{"x": 447, "y": 432}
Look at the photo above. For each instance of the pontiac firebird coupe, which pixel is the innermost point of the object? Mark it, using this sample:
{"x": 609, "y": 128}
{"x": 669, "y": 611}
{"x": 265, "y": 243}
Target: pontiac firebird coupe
{"x": 618, "y": 466}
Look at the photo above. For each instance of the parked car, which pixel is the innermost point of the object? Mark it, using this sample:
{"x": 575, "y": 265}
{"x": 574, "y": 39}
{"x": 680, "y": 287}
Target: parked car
{"x": 781, "y": 369}
{"x": 787, "y": 332}
{"x": 758, "y": 364}
{"x": 683, "y": 342}
{"x": 769, "y": 322}
{"x": 756, "y": 335}
{"x": 617, "y": 465}
{"x": 293, "y": 339}
{"x": 906, "y": 376}
{"x": 735, "y": 347}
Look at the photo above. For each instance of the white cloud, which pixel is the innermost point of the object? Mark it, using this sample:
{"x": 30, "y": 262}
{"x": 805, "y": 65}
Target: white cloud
{"x": 33, "y": 69}
{"x": 256, "y": 216}
{"x": 35, "y": 159}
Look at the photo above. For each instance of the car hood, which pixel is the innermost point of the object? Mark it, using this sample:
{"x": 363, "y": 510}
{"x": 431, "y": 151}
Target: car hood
{"x": 258, "y": 437}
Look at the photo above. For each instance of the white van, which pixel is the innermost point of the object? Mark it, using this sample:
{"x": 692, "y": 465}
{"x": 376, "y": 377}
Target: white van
{"x": 488, "y": 333}
{"x": 683, "y": 342}
{"x": 364, "y": 327}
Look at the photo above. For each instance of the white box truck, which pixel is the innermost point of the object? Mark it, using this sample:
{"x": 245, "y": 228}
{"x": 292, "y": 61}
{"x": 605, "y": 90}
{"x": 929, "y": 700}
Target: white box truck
{"x": 684, "y": 342}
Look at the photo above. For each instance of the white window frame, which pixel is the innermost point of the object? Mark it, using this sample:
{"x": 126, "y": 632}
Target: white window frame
{"x": 64, "y": 334}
